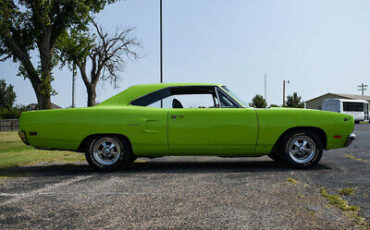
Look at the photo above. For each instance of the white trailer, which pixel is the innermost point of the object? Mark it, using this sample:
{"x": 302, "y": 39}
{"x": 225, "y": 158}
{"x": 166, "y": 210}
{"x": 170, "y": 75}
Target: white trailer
{"x": 359, "y": 109}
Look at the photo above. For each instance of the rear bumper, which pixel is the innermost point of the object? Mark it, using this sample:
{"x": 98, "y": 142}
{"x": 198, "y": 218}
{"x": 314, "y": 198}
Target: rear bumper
{"x": 350, "y": 138}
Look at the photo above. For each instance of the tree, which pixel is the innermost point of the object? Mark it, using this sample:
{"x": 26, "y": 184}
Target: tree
{"x": 106, "y": 53}
{"x": 7, "y": 95}
{"x": 258, "y": 102}
{"x": 294, "y": 101}
{"x": 36, "y": 25}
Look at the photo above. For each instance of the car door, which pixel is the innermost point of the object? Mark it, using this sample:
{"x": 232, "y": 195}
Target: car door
{"x": 212, "y": 131}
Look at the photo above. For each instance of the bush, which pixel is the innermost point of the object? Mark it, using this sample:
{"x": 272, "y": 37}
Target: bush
{"x": 13, "y": 113}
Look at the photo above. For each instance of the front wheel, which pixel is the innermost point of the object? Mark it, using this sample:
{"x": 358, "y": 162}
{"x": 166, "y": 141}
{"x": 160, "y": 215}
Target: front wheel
{"x": 108, "y": 153}
{"x": 302, "y": 149}
{"x": 274, "y": 156}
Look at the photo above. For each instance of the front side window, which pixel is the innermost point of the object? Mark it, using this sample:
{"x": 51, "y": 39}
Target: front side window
{"x": 226, "y": 101}
{"x": 244, "y": 104}
{"x": 189, "y": 101}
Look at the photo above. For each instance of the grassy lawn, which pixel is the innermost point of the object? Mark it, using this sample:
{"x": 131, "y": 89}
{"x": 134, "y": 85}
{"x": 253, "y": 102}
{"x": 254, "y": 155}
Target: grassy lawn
{"x": 14, "y": 153}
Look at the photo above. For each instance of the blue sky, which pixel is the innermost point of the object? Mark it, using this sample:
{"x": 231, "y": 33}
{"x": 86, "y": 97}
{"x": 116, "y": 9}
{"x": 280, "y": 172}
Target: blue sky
{"x": 320, "y": 46}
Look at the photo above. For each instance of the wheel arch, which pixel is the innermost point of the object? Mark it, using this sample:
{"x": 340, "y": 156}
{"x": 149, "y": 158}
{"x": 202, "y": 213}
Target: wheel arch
{"x": 321, "y": 133}
{"x": 83, "y": 145}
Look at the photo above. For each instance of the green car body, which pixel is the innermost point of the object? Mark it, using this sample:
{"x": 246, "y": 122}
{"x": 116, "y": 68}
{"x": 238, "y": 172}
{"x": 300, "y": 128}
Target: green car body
{"x": 152, "y": 132}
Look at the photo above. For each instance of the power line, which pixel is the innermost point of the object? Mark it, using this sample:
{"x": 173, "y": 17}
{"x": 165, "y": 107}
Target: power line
{"x": 362, "y": 88}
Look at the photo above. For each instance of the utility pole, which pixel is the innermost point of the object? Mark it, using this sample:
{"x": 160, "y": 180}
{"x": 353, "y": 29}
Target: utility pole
{"x": 161, "y": 41}
{"x": 265, "y": 87}
{"x": 73, "y": 85}
{"x": 362, "y": 88}
{"x": 285, "y": 81}
{"x": 160, "y": 45}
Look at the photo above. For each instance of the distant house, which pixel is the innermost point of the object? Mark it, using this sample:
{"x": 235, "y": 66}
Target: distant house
{"x": 35, "y": 106}
{"x": 316, "y": 103}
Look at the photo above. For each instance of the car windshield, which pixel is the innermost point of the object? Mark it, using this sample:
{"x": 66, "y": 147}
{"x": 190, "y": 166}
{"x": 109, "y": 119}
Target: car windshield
{"x": 241, "y": 102}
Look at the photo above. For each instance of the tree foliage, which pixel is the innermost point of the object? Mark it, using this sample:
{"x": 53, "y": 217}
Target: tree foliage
{"x": 36, "y": 25}
{"x": 294, "y": 101}
{"x": 7, "y": 95}
{"x": 258, "y": 102}
{"x": 107, "y": 54}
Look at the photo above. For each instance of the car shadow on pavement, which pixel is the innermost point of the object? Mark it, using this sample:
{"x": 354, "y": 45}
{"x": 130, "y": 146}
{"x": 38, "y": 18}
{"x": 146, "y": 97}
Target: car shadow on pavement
{"x": 154, "y": 167}
{"x": 212, "y": 167}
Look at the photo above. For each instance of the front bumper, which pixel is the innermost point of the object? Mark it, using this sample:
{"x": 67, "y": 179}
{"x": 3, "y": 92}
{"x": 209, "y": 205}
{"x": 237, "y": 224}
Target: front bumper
{"x": 23, "y": 137}
{"x": 350, "y": 138}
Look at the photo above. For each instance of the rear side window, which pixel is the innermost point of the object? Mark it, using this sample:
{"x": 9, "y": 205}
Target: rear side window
{"x": 152, "y": 97}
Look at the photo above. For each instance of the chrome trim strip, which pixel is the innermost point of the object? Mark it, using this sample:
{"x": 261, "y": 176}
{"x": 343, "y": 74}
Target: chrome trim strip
{"x": 218, "y": 97}
{"x": 168, "y": 87}
{"x": 350, "y": 139}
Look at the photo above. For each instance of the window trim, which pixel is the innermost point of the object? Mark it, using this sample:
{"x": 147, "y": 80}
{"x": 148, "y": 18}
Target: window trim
{"x": 215, "y": 87}
{"x": 229, "y": 97}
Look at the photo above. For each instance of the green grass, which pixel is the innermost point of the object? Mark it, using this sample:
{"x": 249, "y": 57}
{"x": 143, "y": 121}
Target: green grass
{"x": 346, "y": 191}
{"x": 14, "y": 153}
{"x": 292, "y": 180}
{"x": 352, "y": 210}
{"x": 337, "y": 201}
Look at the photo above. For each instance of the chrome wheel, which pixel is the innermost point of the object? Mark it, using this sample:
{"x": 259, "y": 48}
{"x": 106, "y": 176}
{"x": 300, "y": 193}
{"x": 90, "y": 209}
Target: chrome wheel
{"x": 106, "y": 151}
{"x": 302, "y": 149}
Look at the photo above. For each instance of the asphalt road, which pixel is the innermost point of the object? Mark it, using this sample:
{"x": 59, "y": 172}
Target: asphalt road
{"x": 189, "y": 192}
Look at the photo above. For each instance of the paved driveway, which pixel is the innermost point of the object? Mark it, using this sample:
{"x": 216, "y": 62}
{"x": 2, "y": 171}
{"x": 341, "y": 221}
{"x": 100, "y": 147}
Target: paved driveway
{"x": 190, "y": 192}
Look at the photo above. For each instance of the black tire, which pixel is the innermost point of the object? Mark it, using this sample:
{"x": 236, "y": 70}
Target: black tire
{"x": 309, "y": 159}
{"x": 274, "y": 156}
{"x": 132, "y": 158}
{"x": 119, "y": 161}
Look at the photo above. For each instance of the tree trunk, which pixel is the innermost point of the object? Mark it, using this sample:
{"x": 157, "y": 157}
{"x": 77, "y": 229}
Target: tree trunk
{"x": 90, "y": 86}
{"x": 41, "y": 85}
{"x": 43, "y": 100}
{"x": 45, "y": 75}
{"x": 91, "y": 95}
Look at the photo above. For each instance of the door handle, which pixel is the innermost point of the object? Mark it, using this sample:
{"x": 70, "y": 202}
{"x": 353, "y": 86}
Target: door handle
{"x": 174, "y": 116}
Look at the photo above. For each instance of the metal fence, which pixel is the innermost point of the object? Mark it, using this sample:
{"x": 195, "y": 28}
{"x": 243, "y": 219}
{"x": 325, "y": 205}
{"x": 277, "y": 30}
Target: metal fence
{"x": 8, "y": 125}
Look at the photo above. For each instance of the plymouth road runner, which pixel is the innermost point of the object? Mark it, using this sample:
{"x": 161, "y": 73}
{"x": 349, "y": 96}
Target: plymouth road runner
{"x": 155, "y": 120}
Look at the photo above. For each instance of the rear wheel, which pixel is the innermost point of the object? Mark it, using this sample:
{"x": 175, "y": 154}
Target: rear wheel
{"x": 302, "y": 149}
{"x": 108, "y": 153}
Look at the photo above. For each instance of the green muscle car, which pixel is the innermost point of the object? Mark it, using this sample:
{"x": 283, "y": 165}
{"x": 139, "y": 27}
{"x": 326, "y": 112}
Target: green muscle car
{"x": 155, "y": 120}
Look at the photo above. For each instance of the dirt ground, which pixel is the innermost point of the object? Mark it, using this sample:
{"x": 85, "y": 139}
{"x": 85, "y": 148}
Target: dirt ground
{"x": 191, "y": 192}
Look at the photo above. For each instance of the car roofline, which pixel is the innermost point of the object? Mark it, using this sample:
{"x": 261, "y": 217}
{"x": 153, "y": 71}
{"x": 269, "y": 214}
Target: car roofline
{"x": 125, "y": 97}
